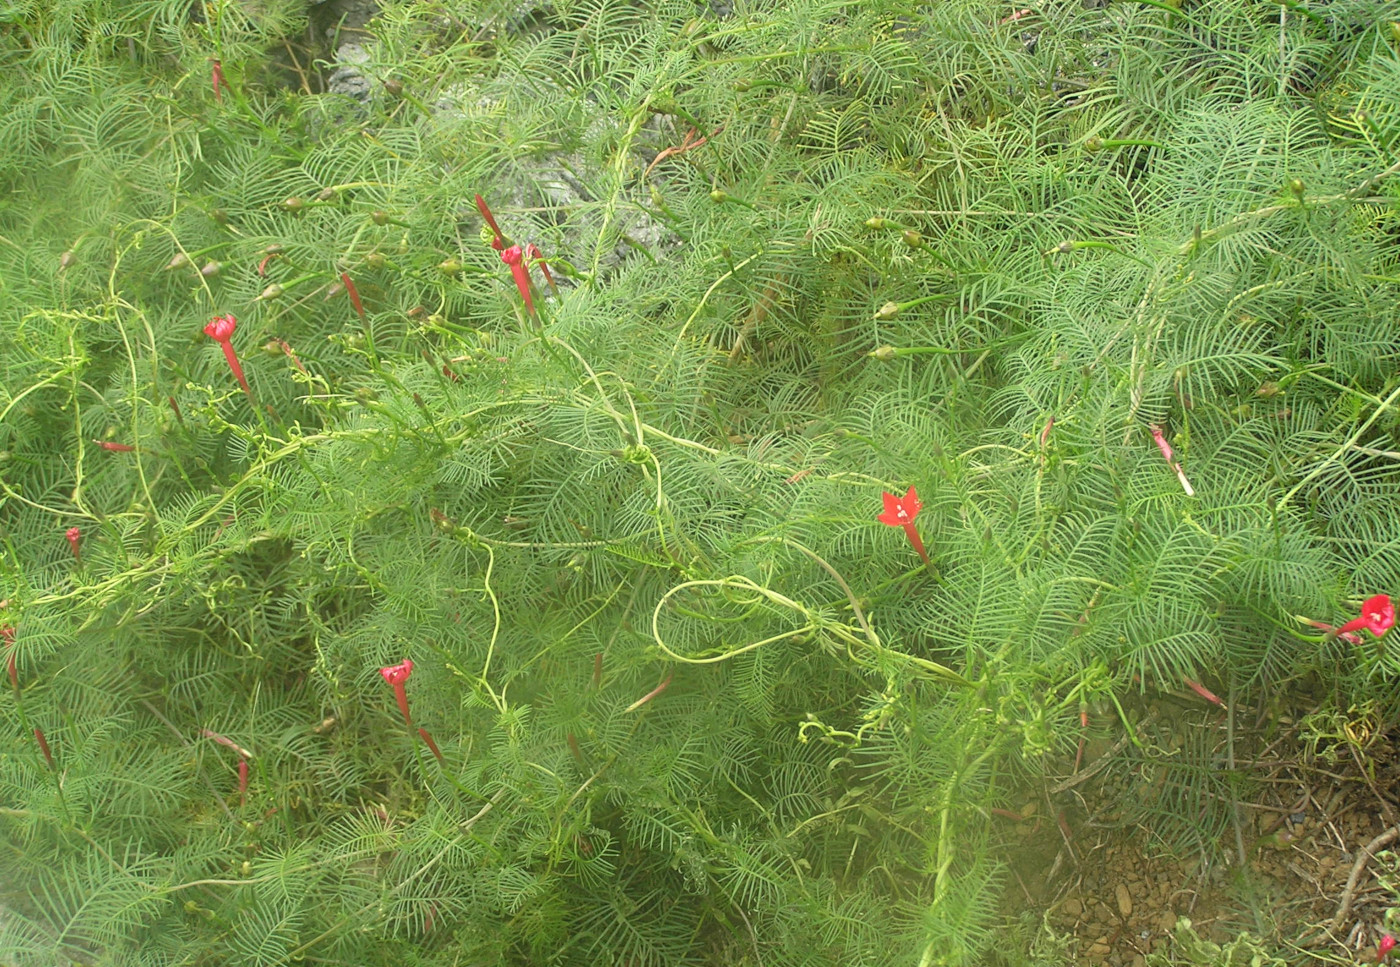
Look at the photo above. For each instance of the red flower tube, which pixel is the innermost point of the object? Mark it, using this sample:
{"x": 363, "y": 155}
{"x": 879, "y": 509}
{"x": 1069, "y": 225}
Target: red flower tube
{"x": 220, "y": 329}
{"x": 515, "y": 258}
{"x": 242, "y": 778}
{"x": 397, "y": 675}
{"x": 1377, "y": 616}
{"x": 1161, "y": 440}
{"x": 900, "y": 512}
{"x": 1383, "y": 949}
{"x": 75, "y": 537}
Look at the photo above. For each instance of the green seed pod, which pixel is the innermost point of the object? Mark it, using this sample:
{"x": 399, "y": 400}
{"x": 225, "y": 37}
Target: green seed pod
{"x": 211, "y": 269}
{"x": 1094, "y": 144}
{"x": 1296, "y": 186}
{"x": 719, "y": 197}
{"x": 271, "y": 292}
{"x": 885, "y": 354}
{"x": 449, "y": 267}
{"x": 877, "y": 222}
{"x": 293, "y": 204}
{"x": 913, "y": 239}
{"x": 888, "y": 311}
{"x": 379, "y": 217}
{"x": 326, "y": 194}
{"x": 376, "y": 260}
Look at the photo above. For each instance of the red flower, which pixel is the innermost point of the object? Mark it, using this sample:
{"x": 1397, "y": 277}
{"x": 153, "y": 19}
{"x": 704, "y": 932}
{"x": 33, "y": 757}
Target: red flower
{"x": 900, "y": 512}
{"x": 114, "y": 446}
{"x": 75, "y": 536}
{"x": 397, "y": 675}
{"x": 242, "y": 778}
{"x": 1377, "y": 616}
{"x": 515, "y": 258}
{"x": 220, "y": 329}
{"x": 1384, "y": 948}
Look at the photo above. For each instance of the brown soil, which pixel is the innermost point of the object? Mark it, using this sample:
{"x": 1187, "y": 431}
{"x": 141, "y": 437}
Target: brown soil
{"x": 1145, "y": 833}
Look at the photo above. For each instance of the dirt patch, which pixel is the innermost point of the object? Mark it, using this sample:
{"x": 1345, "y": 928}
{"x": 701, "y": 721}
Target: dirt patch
{"x": 1255, "y": 822}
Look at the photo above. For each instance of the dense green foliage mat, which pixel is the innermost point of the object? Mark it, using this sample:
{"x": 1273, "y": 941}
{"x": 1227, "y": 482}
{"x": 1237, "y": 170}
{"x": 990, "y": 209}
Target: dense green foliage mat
{"x": 1114, "y": 287}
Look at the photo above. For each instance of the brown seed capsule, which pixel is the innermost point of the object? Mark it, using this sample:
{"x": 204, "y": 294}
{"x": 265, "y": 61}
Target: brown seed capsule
{"x": 326, "y": 194}
{"x": 211, "y": 269}
{"x": 417, "y": 312}
{"x": 394, "y": 86}
{"x": 178, "y": 262}
{"x": 334, "y": 289}
{"x": 67, "y": 260}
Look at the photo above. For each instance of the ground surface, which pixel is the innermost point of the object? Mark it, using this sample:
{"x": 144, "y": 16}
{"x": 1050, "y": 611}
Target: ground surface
{"x": 1118, "y": 851}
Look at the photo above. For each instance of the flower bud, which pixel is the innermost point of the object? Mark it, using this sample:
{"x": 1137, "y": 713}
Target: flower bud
{"x": 888, "y": 311}
{"x": 1065, "y": 248}
{"x": 1296, "y": 186}
{"x": 1094, "y": 144}
{"x": 877, "y": 222}
{"x": 719, "y": 197}
{"x": 271, "y": 292}
{"x": 885, "y": 354}
{"x": 449, "y": 267}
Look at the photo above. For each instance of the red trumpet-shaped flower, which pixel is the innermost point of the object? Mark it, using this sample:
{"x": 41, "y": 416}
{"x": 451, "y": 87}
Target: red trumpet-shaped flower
{"x": 900, "y": 512}
{"x": 1383, "y": 949}
{"x": 220, "y": 329}
{"x": 515, "y": 258}
{"x": 1377, "y": 616}
{"x": 397, "y": 675}
{"x": 1166, "y": 448}
{"x": 75, "y": 538}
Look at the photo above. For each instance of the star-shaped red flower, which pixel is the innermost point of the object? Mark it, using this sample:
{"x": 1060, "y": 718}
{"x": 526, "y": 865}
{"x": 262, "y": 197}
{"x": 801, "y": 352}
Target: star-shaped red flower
{"x": 1377, "y": 616}
{"x": 900, "y": 512}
